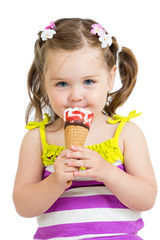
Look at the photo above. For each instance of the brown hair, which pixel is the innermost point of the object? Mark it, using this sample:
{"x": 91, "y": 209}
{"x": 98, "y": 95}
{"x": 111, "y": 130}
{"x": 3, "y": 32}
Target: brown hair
{"x": 73, "y": 34}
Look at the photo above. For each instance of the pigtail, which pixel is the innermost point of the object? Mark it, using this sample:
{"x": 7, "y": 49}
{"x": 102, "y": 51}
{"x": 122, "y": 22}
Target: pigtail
{"x": 128, "y": 69}
{"x": 35, "y": 86}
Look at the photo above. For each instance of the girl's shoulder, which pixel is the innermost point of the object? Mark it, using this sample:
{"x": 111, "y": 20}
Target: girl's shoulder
{"x": 126, "y": 128}
{"x": 135, "y": 144}
{"x": 32, "y": 140}
{"x": 32, "y": 134}
{"x": 44, "y": 132}
{"x": 131, "y": 131}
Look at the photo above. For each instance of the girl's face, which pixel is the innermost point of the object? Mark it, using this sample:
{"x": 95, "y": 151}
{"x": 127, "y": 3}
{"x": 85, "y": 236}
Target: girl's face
{"x": 77, "y": 79}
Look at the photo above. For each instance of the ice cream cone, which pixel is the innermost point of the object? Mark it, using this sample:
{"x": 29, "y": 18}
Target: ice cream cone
{"x": 75, "y": 135}
{"x": 77, "y": 123}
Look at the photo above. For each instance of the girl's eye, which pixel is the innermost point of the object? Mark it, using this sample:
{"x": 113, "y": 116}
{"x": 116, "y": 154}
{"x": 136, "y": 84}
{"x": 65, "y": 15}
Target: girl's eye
{"x": 62, "y": 84}
{"x": 88, "y": 82}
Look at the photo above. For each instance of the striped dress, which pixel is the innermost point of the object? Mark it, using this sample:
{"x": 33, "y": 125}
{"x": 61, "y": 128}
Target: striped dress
{"x": 88, "y": 209}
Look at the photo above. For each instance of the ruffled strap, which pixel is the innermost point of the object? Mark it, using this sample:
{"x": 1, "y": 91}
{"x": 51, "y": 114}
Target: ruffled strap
{"x": 122, "y": 120}
{"x": 119, "y": 118}
{"x": 41, "y": 125}
{"x": 32, "y": 125}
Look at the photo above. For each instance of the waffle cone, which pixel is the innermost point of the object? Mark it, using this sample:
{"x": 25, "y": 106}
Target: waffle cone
{"x": 75, "y": 135}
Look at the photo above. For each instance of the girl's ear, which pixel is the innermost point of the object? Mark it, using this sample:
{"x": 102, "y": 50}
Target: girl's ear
{"x": 111, "y": 79}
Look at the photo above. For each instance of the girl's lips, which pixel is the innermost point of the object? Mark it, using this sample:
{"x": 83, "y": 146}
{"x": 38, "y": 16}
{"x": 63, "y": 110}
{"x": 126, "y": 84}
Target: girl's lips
{"x": 77, "y": 107}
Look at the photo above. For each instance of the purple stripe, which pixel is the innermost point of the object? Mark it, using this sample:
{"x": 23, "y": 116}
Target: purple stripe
{"x": 85, "y": 202}
{"x": 76, "y": 184}
{"x": 78, "y": 229}
{"x": 46, "y": 173}
{"x": 121, "y": 166}
{"x": 122, "y": 237}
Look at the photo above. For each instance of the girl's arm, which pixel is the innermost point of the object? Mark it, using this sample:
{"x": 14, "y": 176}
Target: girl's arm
{"x": 31, "y": 195}
{"x": 136, "y": 188}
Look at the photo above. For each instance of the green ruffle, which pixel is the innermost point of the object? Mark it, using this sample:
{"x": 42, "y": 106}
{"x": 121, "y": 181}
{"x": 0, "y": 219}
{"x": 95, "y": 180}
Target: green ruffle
{"x": 50, "y": 153}
{"x": 109, "y": 150}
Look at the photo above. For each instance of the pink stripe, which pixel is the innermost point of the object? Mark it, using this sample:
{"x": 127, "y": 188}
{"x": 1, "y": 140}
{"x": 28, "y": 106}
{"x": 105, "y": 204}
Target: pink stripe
{"x": 86, "y": 202}
{"x": 78, "y": 229}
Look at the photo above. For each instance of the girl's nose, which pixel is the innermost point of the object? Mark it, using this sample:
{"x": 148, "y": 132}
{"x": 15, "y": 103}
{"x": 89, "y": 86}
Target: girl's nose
{"x": 76, "y": 95}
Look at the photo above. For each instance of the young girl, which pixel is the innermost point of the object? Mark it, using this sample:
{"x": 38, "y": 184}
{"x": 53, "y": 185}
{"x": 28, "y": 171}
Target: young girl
{"x": 75, "y": 66}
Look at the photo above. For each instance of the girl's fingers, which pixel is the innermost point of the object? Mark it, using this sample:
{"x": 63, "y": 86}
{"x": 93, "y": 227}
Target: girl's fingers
{"x": 70, "y": 169}
{"x": 79, "y": 149}
{"x": 75, "y": 152}
{"x": 79, "y": 163}
{"x": 64, "y": 153}
{"x": 83, "y": 173}
{"x": 78, "y": 155}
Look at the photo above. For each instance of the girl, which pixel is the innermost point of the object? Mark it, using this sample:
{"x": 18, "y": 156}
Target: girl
{"x": 74, "y": 66}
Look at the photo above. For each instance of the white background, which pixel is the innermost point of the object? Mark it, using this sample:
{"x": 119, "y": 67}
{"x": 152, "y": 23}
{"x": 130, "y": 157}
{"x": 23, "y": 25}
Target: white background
{"x": 135, "y": 23}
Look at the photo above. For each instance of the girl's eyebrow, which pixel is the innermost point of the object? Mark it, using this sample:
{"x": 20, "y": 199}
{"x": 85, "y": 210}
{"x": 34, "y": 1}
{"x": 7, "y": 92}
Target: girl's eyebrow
{"x": 63, "y": 79}
{"x": 91, "y": 76}
{"x": 57, "y": 78}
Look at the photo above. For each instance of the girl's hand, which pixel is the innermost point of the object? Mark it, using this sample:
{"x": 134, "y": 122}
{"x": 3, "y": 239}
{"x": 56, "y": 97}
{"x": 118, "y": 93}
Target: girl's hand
{"x": 63, "y": 173}
{"x": 96, "y": 166}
